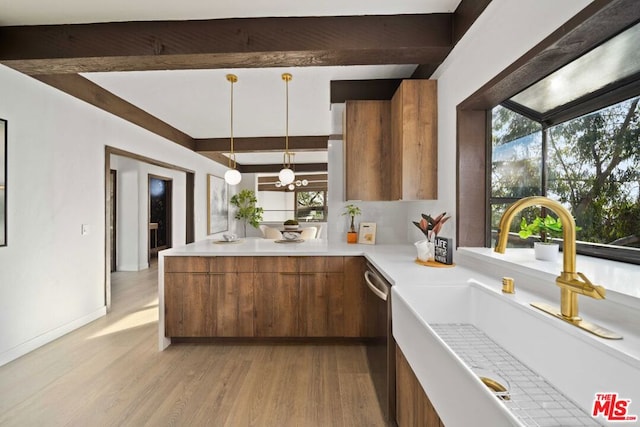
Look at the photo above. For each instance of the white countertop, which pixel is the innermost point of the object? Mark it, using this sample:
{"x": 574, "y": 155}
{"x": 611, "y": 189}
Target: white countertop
{"x": 395, "y": 262}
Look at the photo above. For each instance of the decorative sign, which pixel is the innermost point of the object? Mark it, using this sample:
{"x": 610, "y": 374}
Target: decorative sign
{"x": 443, "y": 250}
{"x": 367, "y": 234}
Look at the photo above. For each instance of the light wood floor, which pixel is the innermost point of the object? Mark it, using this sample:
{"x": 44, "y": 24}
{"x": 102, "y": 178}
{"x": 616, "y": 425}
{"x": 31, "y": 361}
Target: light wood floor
{"x": 110, "y": 373}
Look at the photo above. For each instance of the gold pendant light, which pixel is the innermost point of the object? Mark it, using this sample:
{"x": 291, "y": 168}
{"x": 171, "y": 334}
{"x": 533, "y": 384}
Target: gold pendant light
{"x": 286, "y": 175}
{"x": 232, "y": 176}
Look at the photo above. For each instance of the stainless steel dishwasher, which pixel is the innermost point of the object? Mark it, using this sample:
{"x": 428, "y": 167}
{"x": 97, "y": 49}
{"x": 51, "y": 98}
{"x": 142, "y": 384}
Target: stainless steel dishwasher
{"x": 380, "y": 348}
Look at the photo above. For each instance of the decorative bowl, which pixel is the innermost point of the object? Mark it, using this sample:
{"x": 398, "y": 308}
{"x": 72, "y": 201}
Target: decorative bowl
{"x": 290, "y": 236}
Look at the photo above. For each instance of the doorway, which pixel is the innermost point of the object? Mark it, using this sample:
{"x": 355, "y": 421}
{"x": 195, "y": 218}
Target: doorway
{"x": 160, "y": 191}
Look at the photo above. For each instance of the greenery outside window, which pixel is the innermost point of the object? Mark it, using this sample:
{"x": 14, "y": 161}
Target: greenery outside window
{"x": 311, "y": 206}
{"x": 591, "y": 164}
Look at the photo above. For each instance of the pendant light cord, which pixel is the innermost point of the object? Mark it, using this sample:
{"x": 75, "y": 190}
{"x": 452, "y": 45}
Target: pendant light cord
{"x": 287, "y": 157}
{"x": 232, "y": 157}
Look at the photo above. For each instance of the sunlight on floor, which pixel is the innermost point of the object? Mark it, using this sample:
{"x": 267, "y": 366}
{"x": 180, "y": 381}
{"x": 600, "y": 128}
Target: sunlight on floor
{"x": 133, "y": 320}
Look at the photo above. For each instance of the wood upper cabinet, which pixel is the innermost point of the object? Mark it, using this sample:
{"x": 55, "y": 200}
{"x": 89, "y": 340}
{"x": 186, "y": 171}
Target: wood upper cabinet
{"x": 414, "y": 141}
{"x": 367, "y": 144}
{"x": 391, "y": 147}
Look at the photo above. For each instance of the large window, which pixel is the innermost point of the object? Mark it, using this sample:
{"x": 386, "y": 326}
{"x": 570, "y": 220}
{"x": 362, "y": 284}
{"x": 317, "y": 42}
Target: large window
{"x": 591, "y": 164}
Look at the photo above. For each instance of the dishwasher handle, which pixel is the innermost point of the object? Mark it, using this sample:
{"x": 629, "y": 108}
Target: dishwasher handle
{"x": 382, "y": 294}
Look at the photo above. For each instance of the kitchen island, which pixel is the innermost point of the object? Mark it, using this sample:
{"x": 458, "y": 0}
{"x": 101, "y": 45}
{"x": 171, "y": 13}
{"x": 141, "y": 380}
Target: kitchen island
{"x": 319, "y": 263}
{"x": 279, "y": 268}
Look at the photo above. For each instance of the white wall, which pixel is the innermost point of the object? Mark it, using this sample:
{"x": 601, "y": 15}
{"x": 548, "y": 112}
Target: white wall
{"x": 52, "y": 277}
{"x": 504, "y": 32}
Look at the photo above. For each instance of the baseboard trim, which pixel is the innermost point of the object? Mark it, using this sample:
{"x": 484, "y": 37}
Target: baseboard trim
{"x": 47, "y": 337}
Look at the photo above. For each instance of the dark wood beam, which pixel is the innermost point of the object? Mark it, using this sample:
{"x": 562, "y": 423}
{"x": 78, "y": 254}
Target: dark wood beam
{"x": 424, "y": 71}
{"x": 301, "y": 167}
{"x": 227, "y": 43}
{"x": 267, "y": 143}
{"x": 310, "y": 187}
{"x": 465, "y": 15}
{"x": 311, "y": 178}
{"x": 363, "y": 90}
{"x": 597, "y": 22}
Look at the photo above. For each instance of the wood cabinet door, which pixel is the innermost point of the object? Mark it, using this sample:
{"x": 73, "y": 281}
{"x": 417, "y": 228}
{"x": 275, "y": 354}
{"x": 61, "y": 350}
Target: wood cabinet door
{"x": 321, "y": 307}
{"x": 414, "y": 141}
{"x": 367, "y": 150}
{"x": 413, "y": 407}
{"x": 276, "y": 297}
{"x": 232, "y": 297}
{"x": 188, "y": 312}
{"x": 354, "y": 299}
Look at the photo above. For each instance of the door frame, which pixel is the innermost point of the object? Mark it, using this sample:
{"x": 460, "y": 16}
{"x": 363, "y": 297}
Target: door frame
{"x": 169, "y": 213}
{"x": 190, "y": 218}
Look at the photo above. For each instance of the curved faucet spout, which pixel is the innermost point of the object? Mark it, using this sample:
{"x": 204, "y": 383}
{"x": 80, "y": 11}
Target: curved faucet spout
{"x": 571, "y": 282}
{"x": 568, "y": 230}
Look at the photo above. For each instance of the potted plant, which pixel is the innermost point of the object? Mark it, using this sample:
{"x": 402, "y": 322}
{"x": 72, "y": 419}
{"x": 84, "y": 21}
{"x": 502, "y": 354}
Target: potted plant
{"x": 247, "y": 211}
{"x": 291, "y": 224}
{"x": 430, "y": 227}
{"x": 352, "y": 211}
{"x": 546, "y": 229}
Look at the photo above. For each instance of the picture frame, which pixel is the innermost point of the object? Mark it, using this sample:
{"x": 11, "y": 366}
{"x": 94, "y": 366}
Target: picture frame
{"x": 367, "y": 233}
{"x": 217, "y": 205}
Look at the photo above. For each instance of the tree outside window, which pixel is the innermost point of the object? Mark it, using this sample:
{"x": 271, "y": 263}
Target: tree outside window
{"x": 590, "y": 164}
{"x": 311, "y": 205}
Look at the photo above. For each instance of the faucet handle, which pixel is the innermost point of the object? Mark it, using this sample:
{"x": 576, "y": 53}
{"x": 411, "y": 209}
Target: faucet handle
{"x": 508, "y": 285}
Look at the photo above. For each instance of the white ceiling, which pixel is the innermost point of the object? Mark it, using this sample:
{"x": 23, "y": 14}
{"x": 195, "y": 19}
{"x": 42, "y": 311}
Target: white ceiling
{"x": 39, "y": 12}
{"x": 197, "y": 101}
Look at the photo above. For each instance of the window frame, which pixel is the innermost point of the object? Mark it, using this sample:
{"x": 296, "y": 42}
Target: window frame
{"x": 613, "y": 253}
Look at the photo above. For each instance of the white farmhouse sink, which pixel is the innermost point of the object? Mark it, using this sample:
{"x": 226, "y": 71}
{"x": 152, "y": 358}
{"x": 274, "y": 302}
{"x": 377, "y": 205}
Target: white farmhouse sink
{"x": 576, "y": 366}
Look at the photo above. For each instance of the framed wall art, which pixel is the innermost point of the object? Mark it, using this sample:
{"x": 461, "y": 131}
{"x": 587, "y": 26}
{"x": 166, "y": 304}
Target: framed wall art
{"x": 217, "y": 205}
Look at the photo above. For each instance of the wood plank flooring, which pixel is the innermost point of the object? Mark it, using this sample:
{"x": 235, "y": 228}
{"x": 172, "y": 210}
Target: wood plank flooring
{"x": 110, "y": 373}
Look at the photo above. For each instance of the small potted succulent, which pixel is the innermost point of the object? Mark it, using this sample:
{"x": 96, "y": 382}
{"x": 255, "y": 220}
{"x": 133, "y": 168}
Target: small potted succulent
{"x": 546, "y": 229}
{"x": 291, "y": 224}
{"x": 352, "y": 211}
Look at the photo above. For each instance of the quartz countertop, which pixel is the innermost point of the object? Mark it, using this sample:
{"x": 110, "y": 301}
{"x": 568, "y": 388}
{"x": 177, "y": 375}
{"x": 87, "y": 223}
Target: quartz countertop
{"x": 396, "y": 262}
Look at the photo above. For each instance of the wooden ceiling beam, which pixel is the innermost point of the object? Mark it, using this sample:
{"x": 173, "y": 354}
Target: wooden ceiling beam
{"x": 311, "y": 178}
{"x": 363, "y": 90}
{"x": 274, "y": 168}
{"x": 465, "y": 15}
{"x": 267, "y": 143}
{"x": 227, "y": 43}
{"x": 310, "y": 187}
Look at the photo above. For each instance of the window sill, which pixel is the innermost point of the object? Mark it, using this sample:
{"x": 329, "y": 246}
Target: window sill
{"x": 621, "y": 280}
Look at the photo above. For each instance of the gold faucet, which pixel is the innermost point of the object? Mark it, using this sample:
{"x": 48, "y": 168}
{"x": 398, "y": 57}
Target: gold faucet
{"x": 570, "y": 281}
